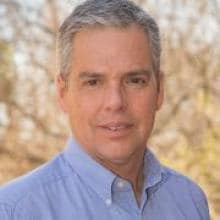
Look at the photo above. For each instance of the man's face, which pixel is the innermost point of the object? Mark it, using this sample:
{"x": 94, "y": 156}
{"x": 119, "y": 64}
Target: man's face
{"x": 112, "y": 95}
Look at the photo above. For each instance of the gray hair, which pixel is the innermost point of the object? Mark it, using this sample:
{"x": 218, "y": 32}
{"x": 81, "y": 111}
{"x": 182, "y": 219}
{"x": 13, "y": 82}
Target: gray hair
{"x": 106, "y": 13}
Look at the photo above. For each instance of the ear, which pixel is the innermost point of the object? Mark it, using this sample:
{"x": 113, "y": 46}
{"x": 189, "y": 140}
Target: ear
{"x": 160, "y": 96}
{"x": 61, "y": 91}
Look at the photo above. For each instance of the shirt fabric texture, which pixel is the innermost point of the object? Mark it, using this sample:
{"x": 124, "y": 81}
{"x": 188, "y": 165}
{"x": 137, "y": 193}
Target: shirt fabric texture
{"x": 73, "y": 186}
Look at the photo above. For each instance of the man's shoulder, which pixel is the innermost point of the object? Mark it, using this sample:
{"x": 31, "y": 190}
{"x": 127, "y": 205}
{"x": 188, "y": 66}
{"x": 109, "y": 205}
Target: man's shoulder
{"x": 184, "y": 188}
{"x": 176, "y": 178}
{"x": 47, "y": 174}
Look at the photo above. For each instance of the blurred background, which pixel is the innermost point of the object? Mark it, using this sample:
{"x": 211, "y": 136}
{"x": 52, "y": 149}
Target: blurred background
{"x": 187, "y": 132}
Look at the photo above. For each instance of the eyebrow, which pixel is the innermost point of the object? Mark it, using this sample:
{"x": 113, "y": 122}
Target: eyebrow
{"x": 137, "y": 72}
{"x": 84, "y": 75}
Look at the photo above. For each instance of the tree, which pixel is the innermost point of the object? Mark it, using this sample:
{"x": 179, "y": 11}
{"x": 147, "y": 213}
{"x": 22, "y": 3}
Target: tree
{"x": 187, "y": 132}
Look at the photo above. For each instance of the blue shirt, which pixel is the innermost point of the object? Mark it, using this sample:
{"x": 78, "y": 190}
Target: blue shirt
{"x": 74, "y": 186}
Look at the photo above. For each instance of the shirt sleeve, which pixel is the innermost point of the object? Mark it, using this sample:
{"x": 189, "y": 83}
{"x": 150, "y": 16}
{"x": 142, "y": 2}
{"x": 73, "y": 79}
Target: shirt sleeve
{"x": 5, "y": 212}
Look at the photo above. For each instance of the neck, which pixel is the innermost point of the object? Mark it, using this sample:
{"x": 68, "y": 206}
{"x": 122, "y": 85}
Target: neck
{"x": 130, "y": 170}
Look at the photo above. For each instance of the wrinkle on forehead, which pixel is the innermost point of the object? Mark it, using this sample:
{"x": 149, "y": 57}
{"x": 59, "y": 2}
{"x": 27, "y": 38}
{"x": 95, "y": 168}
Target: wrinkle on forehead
{"x": 110, "y": 47}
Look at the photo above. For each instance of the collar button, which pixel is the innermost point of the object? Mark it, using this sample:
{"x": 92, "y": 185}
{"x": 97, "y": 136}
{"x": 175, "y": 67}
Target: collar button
{"x": 120, "y": 184}
{"x": 108, "y": 202}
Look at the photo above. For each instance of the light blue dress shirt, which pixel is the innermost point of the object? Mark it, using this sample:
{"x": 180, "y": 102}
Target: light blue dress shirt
{"x": 74, "y": 187}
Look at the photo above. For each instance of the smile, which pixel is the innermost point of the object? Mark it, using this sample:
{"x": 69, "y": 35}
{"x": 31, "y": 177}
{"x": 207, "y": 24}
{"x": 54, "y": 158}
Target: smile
{"x": 116, "y": 130}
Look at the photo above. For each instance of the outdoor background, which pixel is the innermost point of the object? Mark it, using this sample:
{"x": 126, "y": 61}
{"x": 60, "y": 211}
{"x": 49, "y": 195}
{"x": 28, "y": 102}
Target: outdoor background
{"x": 187, "y": 132}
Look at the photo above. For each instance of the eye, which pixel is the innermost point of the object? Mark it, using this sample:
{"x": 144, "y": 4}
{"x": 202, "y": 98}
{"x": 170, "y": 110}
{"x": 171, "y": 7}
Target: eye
{"x": 136, "y": 80}
{"x": 92, "y": 82}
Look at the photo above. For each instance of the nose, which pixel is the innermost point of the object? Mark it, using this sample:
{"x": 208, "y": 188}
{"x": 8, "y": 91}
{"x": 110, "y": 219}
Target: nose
{"x": 115, "y": 98}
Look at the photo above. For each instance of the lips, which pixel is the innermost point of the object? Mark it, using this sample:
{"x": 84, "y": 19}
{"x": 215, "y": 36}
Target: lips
{"x": 116, "y": 129}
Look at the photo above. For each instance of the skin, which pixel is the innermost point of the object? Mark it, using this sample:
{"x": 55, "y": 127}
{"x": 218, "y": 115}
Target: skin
{"x": 112, "y": 98}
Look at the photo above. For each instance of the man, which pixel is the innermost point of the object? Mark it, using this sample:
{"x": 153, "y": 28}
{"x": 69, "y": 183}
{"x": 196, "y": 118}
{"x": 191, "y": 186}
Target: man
{"x": 110, "y": 86}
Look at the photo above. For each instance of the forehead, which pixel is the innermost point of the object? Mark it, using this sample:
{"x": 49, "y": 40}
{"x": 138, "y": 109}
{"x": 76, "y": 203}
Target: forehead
{"x": 111, "y": 48}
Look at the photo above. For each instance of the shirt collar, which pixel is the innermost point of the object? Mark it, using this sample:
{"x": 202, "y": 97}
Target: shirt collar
{"x": 152, "y": 170}
{"x": 91, "y": 172}
{"x": 101, "y": 179}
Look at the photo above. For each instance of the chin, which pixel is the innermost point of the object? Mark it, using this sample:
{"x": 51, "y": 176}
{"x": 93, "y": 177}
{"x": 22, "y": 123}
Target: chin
{"x": 117, "y": 155}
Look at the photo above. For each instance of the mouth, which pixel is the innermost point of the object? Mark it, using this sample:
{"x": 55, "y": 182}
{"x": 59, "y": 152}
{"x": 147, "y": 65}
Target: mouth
{"x": 116, "y": 130}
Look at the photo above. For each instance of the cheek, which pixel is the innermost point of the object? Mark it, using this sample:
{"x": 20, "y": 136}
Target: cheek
{"x": 83, "y": 110}
{"x": 145, "y": 113}
{"x": 145, "y": 105}
{"x": 90, "y": 102}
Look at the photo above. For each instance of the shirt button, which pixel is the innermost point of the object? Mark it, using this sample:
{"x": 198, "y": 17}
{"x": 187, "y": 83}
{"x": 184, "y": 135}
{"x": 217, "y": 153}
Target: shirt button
{"x": 120, "y": 184}
{"x": 108, "y": 202}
